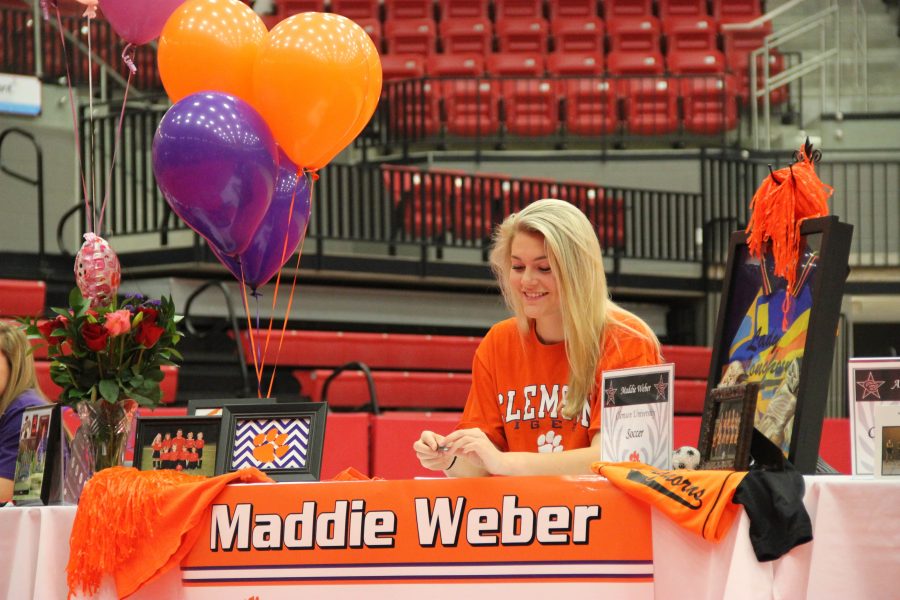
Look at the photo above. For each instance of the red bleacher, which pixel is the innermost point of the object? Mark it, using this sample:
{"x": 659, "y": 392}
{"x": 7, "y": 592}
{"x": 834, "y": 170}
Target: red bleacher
{"x": 22, "y": 298}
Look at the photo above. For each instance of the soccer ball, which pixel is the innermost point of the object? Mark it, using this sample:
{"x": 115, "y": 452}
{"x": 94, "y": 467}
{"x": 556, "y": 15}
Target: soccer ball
{"x": 686, "y": 457}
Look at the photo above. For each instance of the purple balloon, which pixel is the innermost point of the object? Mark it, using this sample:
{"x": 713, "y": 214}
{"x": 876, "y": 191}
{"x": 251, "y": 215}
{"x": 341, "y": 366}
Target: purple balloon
{"x": 215, "y": 161}
{"x": 138, "y": 21}
{"x": 263, "y": 257}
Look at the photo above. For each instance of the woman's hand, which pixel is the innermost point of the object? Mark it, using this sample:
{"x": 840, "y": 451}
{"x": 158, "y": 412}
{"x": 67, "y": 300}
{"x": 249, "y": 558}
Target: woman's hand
{"x": 431, "y": 451}
{"x": 475, "y": 446}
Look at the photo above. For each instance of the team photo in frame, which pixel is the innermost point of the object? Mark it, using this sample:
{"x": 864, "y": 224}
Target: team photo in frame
{"x": 727, "y": 427}
{"x": 188, "y": 444}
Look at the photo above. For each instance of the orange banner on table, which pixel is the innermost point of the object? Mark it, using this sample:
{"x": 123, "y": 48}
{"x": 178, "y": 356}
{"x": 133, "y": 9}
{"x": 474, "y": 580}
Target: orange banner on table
{"x": 494, "y": 530}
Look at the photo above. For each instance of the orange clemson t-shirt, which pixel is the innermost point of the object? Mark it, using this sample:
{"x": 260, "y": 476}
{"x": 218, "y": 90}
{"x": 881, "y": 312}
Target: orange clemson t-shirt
{"x": 519, "y": 386}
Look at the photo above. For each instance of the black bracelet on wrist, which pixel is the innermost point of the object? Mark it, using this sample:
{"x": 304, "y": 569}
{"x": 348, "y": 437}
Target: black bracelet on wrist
{"x": 452, "y": 462}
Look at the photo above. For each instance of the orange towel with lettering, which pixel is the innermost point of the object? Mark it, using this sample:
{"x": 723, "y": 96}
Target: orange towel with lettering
{"x": 136, "y": 525}
{"x": 699, "y": 501}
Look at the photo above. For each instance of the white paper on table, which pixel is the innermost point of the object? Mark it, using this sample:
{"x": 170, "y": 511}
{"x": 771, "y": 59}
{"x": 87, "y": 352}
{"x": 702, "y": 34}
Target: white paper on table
{"x": 636, "y": 422}
{"x": 871, "y": 382}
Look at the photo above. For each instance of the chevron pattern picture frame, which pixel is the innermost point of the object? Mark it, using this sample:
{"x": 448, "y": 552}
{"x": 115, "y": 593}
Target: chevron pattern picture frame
{"x": 284, "y": 441}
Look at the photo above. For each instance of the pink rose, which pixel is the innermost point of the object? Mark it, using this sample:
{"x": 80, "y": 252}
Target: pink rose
{"x": 118, "y": 322}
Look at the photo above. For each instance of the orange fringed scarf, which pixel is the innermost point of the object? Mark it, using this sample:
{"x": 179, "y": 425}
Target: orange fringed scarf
{"x": 136, "y": 525}
{"x": 780, "y": 205}
{"x": 699, "y": 501}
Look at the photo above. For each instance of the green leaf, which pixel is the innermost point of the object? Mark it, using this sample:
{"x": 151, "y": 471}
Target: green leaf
{"x": 63, "y": 312}
{"x": 109, "y": 389}
{"x": 176, "y": 354}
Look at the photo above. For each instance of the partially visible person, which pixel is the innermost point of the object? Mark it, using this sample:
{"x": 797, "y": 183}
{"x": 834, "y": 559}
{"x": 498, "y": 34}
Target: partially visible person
{"x": 18, "y": 391}
{"x": 534, "y": 406}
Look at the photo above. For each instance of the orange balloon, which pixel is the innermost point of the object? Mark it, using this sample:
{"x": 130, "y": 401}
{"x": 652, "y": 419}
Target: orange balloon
{"x": 311, "y": 84}
{"x": 210, "y": 45}
{"x": 373, "y": 95}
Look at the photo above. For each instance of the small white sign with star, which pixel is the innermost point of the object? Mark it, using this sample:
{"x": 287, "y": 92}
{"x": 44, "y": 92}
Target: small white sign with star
{"x": 871, "y": 382}
{"x": 636, "y": 423}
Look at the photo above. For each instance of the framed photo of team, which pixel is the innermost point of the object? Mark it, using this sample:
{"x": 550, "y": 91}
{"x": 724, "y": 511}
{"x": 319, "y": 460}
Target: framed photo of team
{"x": 727, "y": 427}
{"x": 185, "y": 444}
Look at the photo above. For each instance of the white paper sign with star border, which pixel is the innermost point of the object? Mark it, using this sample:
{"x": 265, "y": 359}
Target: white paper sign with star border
{"x": 636, "y": 422}
{"x": 871, "y": 382}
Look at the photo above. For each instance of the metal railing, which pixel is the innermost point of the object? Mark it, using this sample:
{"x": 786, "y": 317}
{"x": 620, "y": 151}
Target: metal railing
{"x": 432, "y": 210}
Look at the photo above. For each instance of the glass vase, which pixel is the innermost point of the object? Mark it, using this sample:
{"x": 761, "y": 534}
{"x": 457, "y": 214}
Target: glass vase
{"x": 100, "y": 442}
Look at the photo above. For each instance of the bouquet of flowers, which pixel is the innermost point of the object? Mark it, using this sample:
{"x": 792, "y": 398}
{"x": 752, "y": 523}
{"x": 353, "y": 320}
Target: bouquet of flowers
{"x": 111, "y": 352}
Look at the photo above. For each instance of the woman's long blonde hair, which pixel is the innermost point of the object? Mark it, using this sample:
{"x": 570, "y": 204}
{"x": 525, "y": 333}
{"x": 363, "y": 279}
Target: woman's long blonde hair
{"x": 576, "y": 260}
{"x": 15, "y": 349}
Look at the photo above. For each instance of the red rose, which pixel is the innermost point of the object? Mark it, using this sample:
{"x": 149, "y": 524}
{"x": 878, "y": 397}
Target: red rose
{"x": 47, "y": 327}
{"x": 95, "y": 336}
{"x": 148, "y": 333}
{"x": 150, "y": 314}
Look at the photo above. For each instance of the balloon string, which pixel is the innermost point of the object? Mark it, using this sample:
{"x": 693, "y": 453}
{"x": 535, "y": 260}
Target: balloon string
{"x": 313, "y": 177}
{"x": 258, "y": 379}
{"x": 98, "y": 224}
{"x": 117, "y": 141}
{"x": 250, "y": 332}
{"x": 89, "y": 214}
{"x": 278, "y": 277}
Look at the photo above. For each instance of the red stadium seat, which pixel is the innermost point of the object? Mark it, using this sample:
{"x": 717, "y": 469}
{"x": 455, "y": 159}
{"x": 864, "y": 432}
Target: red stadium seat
{"x": 634, "y": 34}
{"x": 414, "y": 109}
{"x": 582, "y": 34}
{"x": 408, "y": 9}
{"x": 470, "y": 34}
{"x": 397, "y": 66}
{"x": 527, "y": 34}
{"x": 472, "y": 107}
{"x": 455, "y": 65}
{"x": 627, "y": 8}
{"x": 690, "y": 396}
{"x": 464, "y": 9}
{"x": 373, "y": 28}
{"x": 22, "y": 298}
{"x": 507, "y": 9}
{"x": 635, "y": 63}
{"x": 285, "y": 8}
{"x": 409, "y": 390}
{"x": 696, "y": 61}
{"x": 531, "y": 107}
{"x": 346, "y": 444}
{"x": 392, "y": 438}
{"x": 590, "y": 106}
{"x": 561, "y": 9}
{"x": 690, "y": 34}
{"x": 575, "y": 63}
{"x": 419, "y": 207}
{"x": 691, "y": 362}
{"x": 736, "y": 11}
{"x": 710, "y": 104}
{"x": 410, "y": 36}
{"x": 356, "y": 9}
{"x": 651, "y": 105}
{"x": 515, "y": 65}
{"x": 677, "y": 10}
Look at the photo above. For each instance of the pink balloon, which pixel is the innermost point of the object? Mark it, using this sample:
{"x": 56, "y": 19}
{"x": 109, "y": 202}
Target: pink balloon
{"x": 91, "y": 11}
{"x": 97, "y": 270}
{"x": 138, "y": 21}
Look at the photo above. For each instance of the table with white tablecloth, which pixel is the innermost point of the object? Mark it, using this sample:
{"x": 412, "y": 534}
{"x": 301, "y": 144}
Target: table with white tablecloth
{"x": 855, "y": 552}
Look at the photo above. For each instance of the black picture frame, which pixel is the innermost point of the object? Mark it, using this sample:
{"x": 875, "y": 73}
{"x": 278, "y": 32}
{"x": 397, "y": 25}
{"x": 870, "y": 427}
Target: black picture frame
{"x": 792, "y": 367}
{"x": 178, "y": 456}
{"x": 727, "y": 427}
{"x": 37, "y": 474}
{"x": 199, "y": 406}
{"x": 301, "y": 423}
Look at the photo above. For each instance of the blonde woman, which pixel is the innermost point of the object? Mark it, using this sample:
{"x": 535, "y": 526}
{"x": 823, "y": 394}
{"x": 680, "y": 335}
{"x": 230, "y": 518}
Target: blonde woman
{"x": 534, "y": 406}
{"x": 18, "y": 391}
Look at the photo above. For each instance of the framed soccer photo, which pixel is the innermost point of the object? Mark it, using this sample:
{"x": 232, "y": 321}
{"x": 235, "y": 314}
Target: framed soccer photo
{"x": 783, "y": 339}
{"x": 727, "y": 427}
{"x": 37, "y": 460}
{"x": 284, "y": 441}
{"x": 188, "y": 444}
